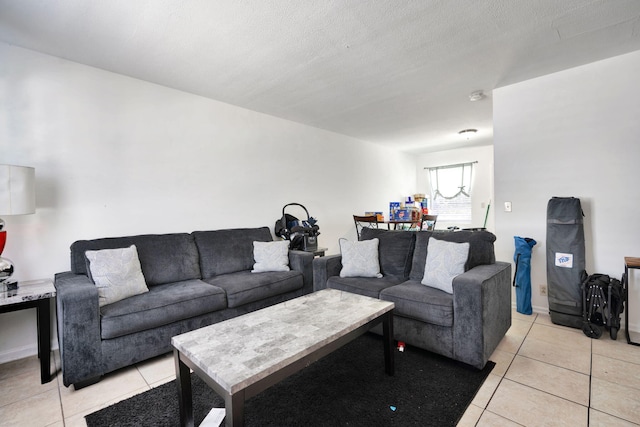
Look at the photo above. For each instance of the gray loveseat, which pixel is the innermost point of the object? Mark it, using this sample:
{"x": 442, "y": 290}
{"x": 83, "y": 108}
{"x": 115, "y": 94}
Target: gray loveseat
{"x": 194, "y": 280}
{"x": 466, "y": 325}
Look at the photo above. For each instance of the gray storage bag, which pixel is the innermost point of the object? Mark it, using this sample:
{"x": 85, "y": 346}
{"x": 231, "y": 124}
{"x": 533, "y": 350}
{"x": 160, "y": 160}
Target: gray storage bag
{"x": 565, "y": 260}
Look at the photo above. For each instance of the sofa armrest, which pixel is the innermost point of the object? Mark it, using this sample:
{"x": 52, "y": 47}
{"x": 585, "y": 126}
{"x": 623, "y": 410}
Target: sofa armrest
{"x": 325, "y": 267}
{"x": 302, "y": 261}
{"x": 481, "y": 312}
{"x": 78, "y": 318}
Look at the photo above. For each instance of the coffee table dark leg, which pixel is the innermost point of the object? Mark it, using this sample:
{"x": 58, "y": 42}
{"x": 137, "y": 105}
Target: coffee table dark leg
{"x": 387, "y": 330}
{"x": 183, "y": 381}
{"x": 43, "y": 310}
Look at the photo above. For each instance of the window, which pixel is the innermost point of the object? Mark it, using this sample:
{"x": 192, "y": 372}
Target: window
{"x": 451, "y": 192}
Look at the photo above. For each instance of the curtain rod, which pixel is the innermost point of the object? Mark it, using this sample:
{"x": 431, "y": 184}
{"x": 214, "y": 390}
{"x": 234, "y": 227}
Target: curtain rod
{"x": 450, "y": 166}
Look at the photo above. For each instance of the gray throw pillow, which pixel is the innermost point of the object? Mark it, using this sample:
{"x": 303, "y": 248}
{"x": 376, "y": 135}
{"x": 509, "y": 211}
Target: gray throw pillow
{"x": 116, "y": 273}
{"x": 360, "y": 259}
{"x": 270, "y": 256}
{"x": 445, "y": 260}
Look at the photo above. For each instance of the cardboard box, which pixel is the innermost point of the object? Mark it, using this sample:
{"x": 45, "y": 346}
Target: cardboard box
{"x": 379, "y": 216}
{"x": 393, "y": 208}
{"x": 402, "y": 215}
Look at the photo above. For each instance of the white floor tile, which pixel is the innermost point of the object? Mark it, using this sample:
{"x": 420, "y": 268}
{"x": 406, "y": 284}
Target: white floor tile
{"x": 530, "y": 407}
{"x": 37, "y": 410}
{"x": 542, "y": 377}
{"x": 618, "y": 400}
{"x": 489, "y": 419}
{"x": 600, "y": 419}
{"x": 471, "y": 416}
{"x": 158, "y": 369}
{"x": 556, "y": 353}
{"x": 113, "y": 387}
{"x": 564, "y": 383}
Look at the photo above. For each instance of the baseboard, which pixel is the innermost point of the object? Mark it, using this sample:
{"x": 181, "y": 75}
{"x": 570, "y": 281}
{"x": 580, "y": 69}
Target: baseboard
{"x": 545, "y": 310}
{"x": 540, "y": 309}
{"x": 18, "y": 353}
{"x": 22, "y": 352}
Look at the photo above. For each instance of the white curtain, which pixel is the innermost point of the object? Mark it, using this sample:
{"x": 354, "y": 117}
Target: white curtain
{"x": 451, "y": 181}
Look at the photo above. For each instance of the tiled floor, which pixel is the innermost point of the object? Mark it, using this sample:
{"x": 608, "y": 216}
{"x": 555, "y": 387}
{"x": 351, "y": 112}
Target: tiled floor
{"x": 545, "y": 375}
{"x": 549, "y": 375}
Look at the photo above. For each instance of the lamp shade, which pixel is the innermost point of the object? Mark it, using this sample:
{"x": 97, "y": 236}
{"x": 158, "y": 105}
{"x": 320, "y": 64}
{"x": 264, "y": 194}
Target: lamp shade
{"x": 17, "y": 190}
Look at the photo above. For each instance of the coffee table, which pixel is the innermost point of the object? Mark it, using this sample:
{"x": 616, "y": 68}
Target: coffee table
{"x": 243, "y": 356}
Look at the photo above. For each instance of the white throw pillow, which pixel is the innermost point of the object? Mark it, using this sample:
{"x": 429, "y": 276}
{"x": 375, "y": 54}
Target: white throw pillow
{"x": 270, "y": 256}
{"x": 445, "y": 260}
{"x": 360, "y": 259}
{"x": 116, "y": 273}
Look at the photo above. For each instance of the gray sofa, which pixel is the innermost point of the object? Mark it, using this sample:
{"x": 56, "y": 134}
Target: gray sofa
{"x": 466, "y": 325}
{"x": 194, "y": 280}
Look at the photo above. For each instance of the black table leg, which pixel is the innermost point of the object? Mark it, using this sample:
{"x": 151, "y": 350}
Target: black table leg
{"x": 387, "y": 330}
{"x": 44, "y": 339}
{"x": 185, "y": 398}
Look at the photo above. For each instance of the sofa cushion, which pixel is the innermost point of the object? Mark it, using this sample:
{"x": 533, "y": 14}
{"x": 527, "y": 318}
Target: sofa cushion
{"x": 270, "y": 256}
{"x": 360, "y": 258}
{"x": 445, "y": 260}
{"x": 244, "y": 287}
{"x": 228, "y": 251}
{"x": 417, "y": 301}
{"x": 164, "y": 258}
{"x": 366, "y": 286}
{"x": 480, "y": 249}
{"x": 162, "y": 305}
{"x": 394, "y": 250}
{"x": 116, "y": 273}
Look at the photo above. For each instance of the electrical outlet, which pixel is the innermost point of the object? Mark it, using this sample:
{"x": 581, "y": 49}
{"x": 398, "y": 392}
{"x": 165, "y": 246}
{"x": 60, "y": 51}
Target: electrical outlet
{"x": 543, "y": 290}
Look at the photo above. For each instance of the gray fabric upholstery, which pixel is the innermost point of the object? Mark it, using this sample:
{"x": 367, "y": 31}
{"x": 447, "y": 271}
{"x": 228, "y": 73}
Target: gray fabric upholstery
{"x": 164, "y": 258}
{"x": 480, "y": 249}
{"x": 482, "y": 307}
{"x": 466, "y": 325}
{"x": 78, "y": 327}
{"x": 323, "y": 268}
{"x": 394, "y": 250}
{"x": 94, "y": 341}
{"x": 368, "y": 286}
{"x": 228, "y": 251}
{"x": 435, "y": 338}
{"x": 164, "y": 304}
{"x": 244, "y": 287}
{"x": 414, "y": 300}
{"x": 302, "y": 262}
{"x": 133, "y": 348}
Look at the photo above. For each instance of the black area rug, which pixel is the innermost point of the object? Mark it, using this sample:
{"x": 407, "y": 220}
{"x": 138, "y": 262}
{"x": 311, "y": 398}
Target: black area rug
{"x": 346, "y": 388}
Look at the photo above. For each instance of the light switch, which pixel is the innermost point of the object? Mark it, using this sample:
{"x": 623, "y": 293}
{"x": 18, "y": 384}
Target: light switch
{"x": 507, "y": 206}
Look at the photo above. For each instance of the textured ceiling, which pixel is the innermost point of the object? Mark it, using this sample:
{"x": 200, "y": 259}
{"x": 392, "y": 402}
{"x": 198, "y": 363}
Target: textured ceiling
{"x": 394, "y": 72}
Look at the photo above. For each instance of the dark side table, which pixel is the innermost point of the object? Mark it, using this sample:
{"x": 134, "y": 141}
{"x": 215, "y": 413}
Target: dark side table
{"x": 34, "y": 294}
{"x": 629, "y": 263}
{"x": 316, "y": 252}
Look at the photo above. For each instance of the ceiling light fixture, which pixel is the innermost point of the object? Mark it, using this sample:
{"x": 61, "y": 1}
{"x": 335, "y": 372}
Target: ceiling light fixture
{"x": 468, "y": 133}
{"x": 476, "y": 96}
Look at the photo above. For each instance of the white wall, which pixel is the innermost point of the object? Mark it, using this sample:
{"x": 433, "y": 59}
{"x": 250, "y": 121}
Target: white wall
{"x": 572, "y": 133}
{"x": 482, "y": 186}
{"x": 117, "y": 156}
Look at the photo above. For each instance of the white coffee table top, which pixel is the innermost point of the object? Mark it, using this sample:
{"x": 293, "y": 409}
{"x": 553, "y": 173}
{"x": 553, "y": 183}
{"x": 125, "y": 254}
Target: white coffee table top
{"x": 31, "y": 290}
{"x": 241, "y": 351}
